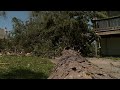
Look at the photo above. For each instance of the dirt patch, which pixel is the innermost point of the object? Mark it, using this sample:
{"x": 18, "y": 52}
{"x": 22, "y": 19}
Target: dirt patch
{"x": 108, "y": 65}
{"x": 71, "y": 65}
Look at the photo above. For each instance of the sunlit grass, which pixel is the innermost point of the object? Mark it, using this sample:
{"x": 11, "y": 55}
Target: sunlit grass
{"x": 18, "y": 67}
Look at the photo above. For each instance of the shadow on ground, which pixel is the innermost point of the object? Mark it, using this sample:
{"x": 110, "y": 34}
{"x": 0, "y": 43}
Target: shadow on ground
{"x": 22, "y": 74}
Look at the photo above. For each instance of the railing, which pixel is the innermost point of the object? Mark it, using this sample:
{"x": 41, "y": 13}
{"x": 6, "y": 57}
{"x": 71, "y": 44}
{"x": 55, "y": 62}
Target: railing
{"x": 107, "y": 29}
{"x": 107, "y": 24}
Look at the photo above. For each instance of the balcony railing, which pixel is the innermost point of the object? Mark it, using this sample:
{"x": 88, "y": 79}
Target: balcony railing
{"x": 107, "y": 29}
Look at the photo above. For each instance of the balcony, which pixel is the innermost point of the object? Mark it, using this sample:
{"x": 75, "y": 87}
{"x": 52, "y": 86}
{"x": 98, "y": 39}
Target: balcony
{"x": 107, "y": 26}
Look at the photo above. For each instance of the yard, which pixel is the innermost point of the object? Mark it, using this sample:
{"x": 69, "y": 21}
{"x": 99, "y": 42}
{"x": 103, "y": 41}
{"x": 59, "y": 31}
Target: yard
{"x": 18, "y": 67}
{"x": 23, "y": 67}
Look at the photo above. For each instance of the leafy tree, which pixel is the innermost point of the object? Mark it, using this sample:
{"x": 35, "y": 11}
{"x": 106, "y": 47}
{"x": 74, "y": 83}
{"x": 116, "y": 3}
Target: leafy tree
{"x": 113, "y": 13}
{"x": 46, "y": 33}
{"x": 2, "y": 41}
{"x": 18, "y": 33}
{"x": 67, "y": 28}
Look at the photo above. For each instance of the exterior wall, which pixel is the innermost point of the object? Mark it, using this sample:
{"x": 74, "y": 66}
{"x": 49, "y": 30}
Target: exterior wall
{"x": 2, "y": 34}
{"x": 103, "y": 46}
{"x": 110, "y": 46}
{"x": 109, "y": 30}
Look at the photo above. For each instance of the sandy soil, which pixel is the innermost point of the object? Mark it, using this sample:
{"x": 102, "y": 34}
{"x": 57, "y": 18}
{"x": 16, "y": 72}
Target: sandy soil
{"x": 108, "y": 65}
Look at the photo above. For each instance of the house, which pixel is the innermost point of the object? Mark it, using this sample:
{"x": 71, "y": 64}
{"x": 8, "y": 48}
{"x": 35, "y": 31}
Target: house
{"x": 109, "y": 31}
{"x": 3, "y": 33}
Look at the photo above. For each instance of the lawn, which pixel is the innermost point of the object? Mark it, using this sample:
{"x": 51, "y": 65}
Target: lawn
{"x": 18, "y": 67}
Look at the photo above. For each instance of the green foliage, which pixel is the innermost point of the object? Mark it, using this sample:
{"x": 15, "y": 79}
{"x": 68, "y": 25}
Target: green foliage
{"x": 113, "y": 13}
{"x": 46, "y": 33}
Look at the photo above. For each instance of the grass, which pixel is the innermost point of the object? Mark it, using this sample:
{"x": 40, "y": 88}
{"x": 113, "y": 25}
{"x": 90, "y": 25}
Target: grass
{"x": 19, "y": 67}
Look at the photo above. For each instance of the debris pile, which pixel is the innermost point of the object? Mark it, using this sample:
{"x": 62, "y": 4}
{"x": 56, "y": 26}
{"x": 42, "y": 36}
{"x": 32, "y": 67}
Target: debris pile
{"x": 72, "y": 65}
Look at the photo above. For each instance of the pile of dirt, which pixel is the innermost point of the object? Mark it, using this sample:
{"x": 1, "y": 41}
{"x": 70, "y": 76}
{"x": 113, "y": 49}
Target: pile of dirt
{"x": 72, "y": 65}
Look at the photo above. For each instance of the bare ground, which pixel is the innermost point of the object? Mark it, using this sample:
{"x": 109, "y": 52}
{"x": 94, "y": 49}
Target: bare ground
{"x": 108, "y": 65}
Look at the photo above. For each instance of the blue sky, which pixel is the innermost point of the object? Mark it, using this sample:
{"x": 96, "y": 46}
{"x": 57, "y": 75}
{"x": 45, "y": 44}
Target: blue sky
{"x": 7, "y": 22}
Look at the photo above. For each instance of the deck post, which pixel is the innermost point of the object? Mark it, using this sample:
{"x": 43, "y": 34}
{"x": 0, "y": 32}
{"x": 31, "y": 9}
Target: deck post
{"x": 96, "y": 49}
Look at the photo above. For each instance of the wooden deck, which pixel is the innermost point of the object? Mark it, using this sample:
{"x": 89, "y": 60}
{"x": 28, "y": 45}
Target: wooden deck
{"x": 108, "y": 32}
{"x": 107, "y": 26}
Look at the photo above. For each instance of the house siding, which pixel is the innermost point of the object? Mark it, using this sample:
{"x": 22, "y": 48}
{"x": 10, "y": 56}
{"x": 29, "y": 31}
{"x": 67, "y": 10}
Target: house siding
{"x": 2, "y": 34}
{"x": 110, "y": 46}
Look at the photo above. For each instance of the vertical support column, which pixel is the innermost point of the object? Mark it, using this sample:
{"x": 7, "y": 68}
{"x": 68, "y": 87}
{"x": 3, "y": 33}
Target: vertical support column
{"x": 96, "y": 49}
